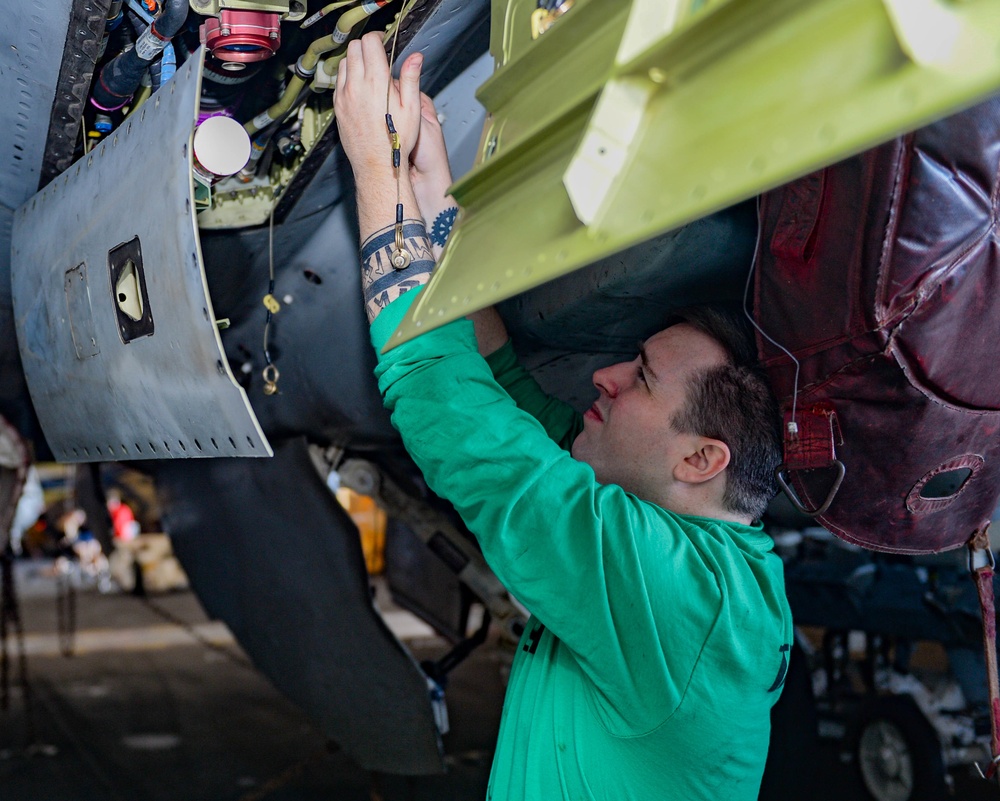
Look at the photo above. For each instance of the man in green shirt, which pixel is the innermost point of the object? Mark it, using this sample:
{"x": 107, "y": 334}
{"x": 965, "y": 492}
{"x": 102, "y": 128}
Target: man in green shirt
{"x": 660, "y": 631}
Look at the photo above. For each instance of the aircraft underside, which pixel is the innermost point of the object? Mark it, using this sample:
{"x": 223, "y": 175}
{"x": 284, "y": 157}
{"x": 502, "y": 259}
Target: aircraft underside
{"x": 210, "y": 328}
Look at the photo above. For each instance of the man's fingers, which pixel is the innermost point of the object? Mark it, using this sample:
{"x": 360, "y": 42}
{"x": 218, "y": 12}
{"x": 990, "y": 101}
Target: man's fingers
{"x": 355, "y": 61}
{"x": 341, "y": 75}
{"x": 376, "y": 62}
{"x": 409, "y": 81}
{"x": 427, "y": 110}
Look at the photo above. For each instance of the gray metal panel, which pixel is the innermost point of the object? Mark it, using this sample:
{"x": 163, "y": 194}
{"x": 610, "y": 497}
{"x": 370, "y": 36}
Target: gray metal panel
{"x": 462, "y": 115}
{"x": 31, "y": 43}
{"x": 270, "y": 551}
{"x": 168, "y": 394}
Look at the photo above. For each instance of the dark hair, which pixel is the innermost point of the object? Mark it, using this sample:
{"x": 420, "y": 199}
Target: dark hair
{"x": 734, "y": 403}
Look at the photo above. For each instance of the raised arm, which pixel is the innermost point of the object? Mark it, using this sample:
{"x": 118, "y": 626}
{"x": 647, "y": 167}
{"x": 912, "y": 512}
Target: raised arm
{"x": 384, "y": 190}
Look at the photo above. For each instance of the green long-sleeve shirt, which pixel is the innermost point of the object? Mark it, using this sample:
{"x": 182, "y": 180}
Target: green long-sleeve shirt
{"x": 658, "y": 642}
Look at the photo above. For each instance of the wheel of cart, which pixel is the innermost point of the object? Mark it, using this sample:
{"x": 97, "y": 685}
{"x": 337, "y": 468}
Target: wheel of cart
{"x": 898, "y": 752}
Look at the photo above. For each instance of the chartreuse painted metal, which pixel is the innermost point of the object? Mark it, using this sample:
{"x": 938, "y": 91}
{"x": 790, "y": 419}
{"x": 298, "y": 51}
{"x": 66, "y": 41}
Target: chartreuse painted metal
{"x": 625, "y": 120}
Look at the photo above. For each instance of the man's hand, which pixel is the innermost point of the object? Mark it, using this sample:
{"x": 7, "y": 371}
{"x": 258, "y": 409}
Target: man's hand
{"x": 430, "y": 173}
{"x": 430, "y": 176}
{"x": 360, "y": 105}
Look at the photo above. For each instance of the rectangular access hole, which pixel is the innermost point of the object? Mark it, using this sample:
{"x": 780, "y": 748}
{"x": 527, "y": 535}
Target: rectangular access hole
{"x": 128, "y": 291}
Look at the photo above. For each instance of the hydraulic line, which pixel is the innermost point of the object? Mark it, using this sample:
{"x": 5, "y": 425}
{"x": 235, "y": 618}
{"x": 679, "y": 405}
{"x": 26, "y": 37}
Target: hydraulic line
{"x": 141, "y": 96}
{"x": 139, "y": 9}
{"x": 305, "y": 67}
{"x": 121, "y": 76}
{"x": 113, "y": 20}
{"x": 326, "y": 10}
{"x": 259, "y": 143}
{"x": 164, "y": 68}
{"x": 330, "y": 65}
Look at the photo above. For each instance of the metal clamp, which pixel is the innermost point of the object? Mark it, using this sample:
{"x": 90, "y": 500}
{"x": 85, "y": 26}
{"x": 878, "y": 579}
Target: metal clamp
{"x": 973, "y": 567}
{"x": 790, "y": 493}
{"x": 271, "y": 376}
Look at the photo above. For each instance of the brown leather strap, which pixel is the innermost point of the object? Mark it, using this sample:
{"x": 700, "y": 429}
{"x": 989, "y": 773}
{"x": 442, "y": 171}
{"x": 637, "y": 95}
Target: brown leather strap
{"x": 982, "y": 565}
{"x": 811, "y": 442}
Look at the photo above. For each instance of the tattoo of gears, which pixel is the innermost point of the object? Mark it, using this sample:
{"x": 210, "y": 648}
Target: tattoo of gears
{"x": 442, "y": 225}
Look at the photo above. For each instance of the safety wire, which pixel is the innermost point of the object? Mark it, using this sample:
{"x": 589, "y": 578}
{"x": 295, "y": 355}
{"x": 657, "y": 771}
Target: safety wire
{"x": 83, "y": 133}
{"x": 793, "y": 426}
{"x": 400, "y": 257}
{"x": 270, "y": 373}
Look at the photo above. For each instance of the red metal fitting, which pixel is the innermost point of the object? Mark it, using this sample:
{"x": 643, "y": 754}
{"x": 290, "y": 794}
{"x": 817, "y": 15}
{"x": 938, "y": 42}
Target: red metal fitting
{"x": 242, "y": 37}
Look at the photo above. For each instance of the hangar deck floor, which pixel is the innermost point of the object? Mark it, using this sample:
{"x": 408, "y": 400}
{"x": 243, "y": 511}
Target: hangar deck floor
{"x": 159, "y": 704}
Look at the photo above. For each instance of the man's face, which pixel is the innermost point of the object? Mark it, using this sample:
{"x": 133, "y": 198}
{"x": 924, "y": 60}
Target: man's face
{"x": 627, "y": 436}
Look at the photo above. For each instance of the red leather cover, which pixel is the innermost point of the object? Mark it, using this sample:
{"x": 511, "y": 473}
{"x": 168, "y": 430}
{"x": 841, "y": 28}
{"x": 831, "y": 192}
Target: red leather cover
{"x": 882, "y": 275}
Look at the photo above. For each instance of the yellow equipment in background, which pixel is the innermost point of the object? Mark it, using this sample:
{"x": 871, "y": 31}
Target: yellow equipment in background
{"x": 370, "y": 521}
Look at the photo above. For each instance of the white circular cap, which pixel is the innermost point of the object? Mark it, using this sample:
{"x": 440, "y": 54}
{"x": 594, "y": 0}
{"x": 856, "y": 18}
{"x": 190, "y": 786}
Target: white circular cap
{"x": 221, "y": 145}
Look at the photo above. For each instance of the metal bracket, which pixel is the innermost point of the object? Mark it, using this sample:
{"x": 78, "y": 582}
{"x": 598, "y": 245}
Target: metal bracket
{"x": 794, "y": 498}
{"x": 721, "y": 104}
{"x": 291, "y": 10}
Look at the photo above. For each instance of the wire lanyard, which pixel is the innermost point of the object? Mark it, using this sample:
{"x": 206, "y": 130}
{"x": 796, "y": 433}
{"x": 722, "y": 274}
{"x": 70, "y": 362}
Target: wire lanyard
{"x": 400, "y": 256}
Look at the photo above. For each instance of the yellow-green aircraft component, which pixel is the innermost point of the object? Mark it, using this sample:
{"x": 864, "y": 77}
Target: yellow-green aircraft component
{"x": 623, "y": 120}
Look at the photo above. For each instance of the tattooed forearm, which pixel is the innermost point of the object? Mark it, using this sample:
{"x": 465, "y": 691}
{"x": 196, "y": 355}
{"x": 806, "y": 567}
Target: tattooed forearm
{"x": 380, "y": 282}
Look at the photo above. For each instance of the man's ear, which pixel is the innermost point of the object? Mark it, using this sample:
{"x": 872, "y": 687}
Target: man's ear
{"x": 705, "y": 461}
